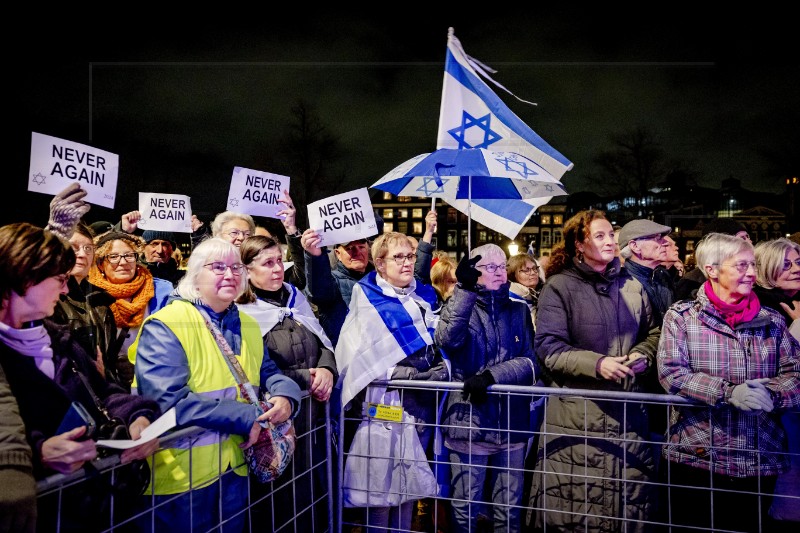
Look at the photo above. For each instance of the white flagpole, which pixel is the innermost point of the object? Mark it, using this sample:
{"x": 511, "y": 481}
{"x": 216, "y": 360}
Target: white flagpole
{"x": 469, "y": 215}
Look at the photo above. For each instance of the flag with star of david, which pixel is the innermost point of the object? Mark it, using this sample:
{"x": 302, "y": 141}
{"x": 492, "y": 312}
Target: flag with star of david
{"x": 473, "y": 116}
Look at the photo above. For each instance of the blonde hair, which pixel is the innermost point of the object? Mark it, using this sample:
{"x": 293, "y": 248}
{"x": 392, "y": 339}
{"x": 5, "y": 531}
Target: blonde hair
{"x": 770, "y": 256}
{"x": 381, "y": 245}
{"x": 444, "y": 269}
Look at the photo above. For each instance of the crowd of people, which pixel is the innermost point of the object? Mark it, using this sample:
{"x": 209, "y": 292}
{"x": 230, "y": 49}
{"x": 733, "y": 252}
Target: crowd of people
{"x": 103, "y": 315}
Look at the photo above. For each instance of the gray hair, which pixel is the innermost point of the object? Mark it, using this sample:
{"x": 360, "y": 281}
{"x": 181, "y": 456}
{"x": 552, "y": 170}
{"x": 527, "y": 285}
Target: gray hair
{"x": 225, "y": 217}
{"x": 770, "y": 256}
{"x": 626, "y": 252}
{"x": 715, "y": 248}
{"x": 208, "y": 251}
{"x": 487, "y": 250}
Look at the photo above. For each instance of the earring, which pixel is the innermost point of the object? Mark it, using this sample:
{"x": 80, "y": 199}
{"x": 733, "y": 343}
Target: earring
{"x": 580, "y": 257}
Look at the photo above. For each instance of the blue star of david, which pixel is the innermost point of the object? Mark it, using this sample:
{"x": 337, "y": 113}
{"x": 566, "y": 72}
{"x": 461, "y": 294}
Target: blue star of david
{"x": 39, "y": 178}
{"x": 520, "y": 167}
{"x": 468, "y": 121}
{"x": 234, "y": 202}
{"x": 427, "y": 180}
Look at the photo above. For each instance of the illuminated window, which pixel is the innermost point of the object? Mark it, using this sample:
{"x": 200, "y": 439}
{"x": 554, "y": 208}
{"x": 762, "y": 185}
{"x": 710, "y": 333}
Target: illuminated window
{"x": 387, "y": 196}
{"x": 388, "y": 213}
{"x": 417, "y": 213}
{"x": 481, "y": 236}
{"x": 451, "y": 238}
{"x": 546, "y": 219}
{"x": 404, "y": 199}
{"x": 388, "y": 226}
{"x": 417, "y": 228}
{"x": 402, "y": 227}
{"x": 557, "y": 236}
{"x": 546, "y": 237}
{"x": 558, "y": 220}
{"x": 402, "y": 213}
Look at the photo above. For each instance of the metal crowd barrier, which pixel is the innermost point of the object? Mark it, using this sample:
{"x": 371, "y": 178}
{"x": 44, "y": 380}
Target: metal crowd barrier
{"x": 434, "y": 514}
{"x": 299, "y": 501}
{"x": 310, "y": 496}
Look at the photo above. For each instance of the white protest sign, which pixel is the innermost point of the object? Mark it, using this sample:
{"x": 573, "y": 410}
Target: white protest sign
{"x": 164, "y": 423}
{"x": 56, "y": 163}
{"x": 343, "y": 218}
{"x": 165, "y": 212}
{"x": 257, "y": 193}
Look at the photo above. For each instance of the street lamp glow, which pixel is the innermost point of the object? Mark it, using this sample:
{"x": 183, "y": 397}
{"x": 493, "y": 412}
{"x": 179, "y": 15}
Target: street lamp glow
{"x": 513, "y": 249}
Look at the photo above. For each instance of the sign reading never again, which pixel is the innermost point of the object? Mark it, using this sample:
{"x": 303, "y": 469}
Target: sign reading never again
{"x": 56, "y": 163}
{"x": 343, "y": 217}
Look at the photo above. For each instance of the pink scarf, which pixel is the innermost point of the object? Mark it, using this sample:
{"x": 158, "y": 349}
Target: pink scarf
{"x": 745, "y": 310}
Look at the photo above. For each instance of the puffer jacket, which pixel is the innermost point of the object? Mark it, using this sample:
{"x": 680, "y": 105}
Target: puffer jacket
{"x": 487, "y": 330}
{"x": 582, "y": 317}
{"x": 701, "y": 357}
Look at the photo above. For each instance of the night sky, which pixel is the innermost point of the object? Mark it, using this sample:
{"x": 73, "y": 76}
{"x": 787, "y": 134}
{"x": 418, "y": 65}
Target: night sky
{"x": 182, "y": 104}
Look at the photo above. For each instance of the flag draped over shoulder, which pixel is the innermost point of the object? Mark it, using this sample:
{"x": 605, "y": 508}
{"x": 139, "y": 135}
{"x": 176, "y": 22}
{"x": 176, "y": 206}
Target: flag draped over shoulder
{"x": 473, "y": 116}
{"x": 381, "y": 329}
{"x": 298, "y": 308}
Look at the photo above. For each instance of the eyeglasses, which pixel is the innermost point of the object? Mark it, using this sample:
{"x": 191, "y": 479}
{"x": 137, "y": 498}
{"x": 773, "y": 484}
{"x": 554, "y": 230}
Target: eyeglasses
{"x": 788, "y": 264}
{"x": 116, "y": 258}
{"x": 657, "y": 237}
{"x": 400, "y": 259}
{"x": 491, "y": 268}
{"x": 219, "y": 268}
{"x": 236, "y": 234}
{"x": 532, "y": 270}
{"x": 88, "y": 249}
{"x": 742, "y": 266}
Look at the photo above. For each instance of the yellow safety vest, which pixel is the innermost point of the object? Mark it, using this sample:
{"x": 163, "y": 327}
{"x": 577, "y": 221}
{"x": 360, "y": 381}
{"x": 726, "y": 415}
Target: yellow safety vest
{"x": 211, "y": 453}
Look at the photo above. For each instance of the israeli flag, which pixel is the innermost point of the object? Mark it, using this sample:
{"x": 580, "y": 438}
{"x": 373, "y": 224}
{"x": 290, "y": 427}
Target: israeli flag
{"x": 382, "y": 328}
{"x": 473, "y": 116}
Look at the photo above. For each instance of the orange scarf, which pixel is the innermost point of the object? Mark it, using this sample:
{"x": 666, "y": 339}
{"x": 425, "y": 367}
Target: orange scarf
{"x": 141, "y": 288}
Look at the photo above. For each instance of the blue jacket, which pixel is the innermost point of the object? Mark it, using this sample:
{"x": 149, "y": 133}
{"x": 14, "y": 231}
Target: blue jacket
{"x": 487, "y": 330}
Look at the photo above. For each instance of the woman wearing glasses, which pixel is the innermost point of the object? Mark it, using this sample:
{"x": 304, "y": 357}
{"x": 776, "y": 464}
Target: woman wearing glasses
{"x": 296, "y": 342}
{"x": 180, "y": 363}
{"x": 523, "y": 273}
{"x": 388, "y": 334}
{"x": 85, "y": 307}
{"x": 133, "y": 292}
{"x": 48, "y": 371}
{"x": 778, "y": 263}
{"x": 595, "y": 331}
{"x": 736, "y": 357}
{"x": 488, "y": 338}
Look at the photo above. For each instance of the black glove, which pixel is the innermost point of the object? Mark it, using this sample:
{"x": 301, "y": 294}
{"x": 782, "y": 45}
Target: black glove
{"x": 475, "y": 387}
{"x": 466, "y": 273}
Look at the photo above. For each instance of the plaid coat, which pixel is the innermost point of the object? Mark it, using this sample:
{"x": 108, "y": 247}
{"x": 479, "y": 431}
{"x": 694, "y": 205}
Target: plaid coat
{"x": 701, "y": 357}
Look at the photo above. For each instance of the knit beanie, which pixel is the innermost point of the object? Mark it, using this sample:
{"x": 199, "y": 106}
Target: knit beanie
{"x": 154, "y": 235}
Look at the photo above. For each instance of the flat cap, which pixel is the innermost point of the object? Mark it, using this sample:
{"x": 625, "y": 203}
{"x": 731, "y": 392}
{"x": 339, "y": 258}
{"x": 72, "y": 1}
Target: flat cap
{"x": 636, "y": 229}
